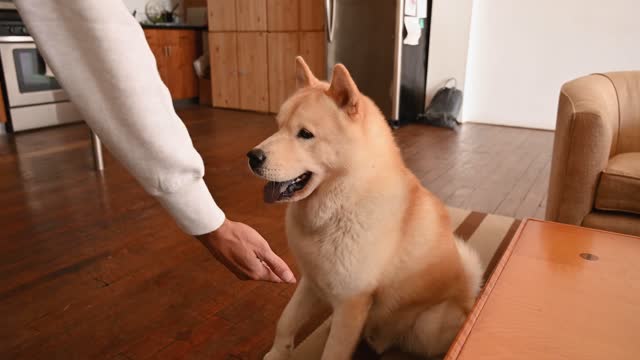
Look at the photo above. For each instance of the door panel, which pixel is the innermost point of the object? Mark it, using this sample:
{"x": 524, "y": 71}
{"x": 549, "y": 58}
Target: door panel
{"x": 222, "y": 15}
{"x": 224, "y": 70}
{"x": 251, "y": 15}
{"x": 312, "y": 15}
{"x": 282, "y": 15}
{"x": 252, "y": 71}
{"x": 154, "y": 36}
{"x": 183, "y": 82}
{"x": 160, "y": 53}
{"x": 3, "y": 109}
{"x": 312, "y": 49}
{"x": 158, "y": 44}
{"x": 283, "y": 48}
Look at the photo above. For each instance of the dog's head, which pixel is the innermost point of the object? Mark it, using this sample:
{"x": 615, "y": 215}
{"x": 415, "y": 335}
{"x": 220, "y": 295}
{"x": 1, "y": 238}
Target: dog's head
{"x": 318, "y": 130}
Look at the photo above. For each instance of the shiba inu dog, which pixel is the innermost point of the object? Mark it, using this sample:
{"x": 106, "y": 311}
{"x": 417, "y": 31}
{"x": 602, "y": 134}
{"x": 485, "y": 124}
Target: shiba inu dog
{"x": 371, "y": 242}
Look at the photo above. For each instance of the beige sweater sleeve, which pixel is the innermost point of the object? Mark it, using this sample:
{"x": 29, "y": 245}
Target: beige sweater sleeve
{"x": 101, "y": 58}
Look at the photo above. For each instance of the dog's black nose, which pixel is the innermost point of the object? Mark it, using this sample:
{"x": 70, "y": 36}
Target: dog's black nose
{"x": 256, "y": 157}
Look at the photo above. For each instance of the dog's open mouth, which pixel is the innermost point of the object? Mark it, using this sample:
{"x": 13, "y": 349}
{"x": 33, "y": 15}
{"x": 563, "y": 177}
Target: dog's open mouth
{"x": 278, "y": 191}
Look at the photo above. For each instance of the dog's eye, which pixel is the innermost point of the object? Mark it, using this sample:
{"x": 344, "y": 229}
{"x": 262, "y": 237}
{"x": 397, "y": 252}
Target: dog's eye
{"x": 305, "y": 134}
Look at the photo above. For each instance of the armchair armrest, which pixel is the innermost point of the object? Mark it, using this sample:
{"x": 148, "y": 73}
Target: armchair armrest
{"x": 586, "y": 132}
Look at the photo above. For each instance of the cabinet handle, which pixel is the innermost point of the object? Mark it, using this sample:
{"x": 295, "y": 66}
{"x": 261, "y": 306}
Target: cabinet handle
{"x": 169, "y": 50}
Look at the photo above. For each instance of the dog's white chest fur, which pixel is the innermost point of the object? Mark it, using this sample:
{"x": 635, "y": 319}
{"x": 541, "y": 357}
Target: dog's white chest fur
{"x": 342, "y": 257}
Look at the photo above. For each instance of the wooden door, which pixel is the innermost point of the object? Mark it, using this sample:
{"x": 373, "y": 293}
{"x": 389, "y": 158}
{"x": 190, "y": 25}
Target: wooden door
{"x": 312, "y": 15}
{"x": 283, "y": 48}
{"x": 282, "y": 15}
{"x": 222, "y": 15}
{"x": 156, "y": 38}
{"x": 253, "y": 71}
{"x": 182, "y": 51}
{"x": 251, "y": 15}
{"x": 224, "y": 69}
{"x": 3, "y": 109}
{"x": 313, "y": 50}
{"x": 162, "y": 61}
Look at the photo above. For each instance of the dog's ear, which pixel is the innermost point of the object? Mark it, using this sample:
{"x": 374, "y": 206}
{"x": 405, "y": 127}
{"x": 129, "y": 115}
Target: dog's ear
{"x": 343, "y": 90}
{"x": 304, "y": 76}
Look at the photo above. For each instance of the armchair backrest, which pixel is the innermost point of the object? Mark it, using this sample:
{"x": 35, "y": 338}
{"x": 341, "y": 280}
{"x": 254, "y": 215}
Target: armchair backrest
{"x": 627, "y": 88}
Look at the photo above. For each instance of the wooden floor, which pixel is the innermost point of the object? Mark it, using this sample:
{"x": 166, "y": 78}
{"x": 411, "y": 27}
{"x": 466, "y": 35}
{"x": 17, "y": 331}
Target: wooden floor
{"x": 93, "y": 268}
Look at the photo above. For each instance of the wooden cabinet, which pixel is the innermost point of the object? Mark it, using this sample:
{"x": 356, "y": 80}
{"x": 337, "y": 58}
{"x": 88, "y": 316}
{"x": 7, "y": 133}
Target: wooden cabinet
{"x": 252, "y": 71}
{"x": 224, "y": 70}
{"x": 3, "y": 109}
{"x": 183, "y": 50}
{"x": 312, "y": 15}
{"x": 283, "y": 48}
{"x": 283, "y": 15}
{"x": 158, "y": 46}
{"x": 222, "y": 15}
{"x": 175, "y": 50}
{"x": 253, "y": 45}
{"x": 251, "y": 15}
{"x": 312, "y": 49}
{"x": 239, "y": 70}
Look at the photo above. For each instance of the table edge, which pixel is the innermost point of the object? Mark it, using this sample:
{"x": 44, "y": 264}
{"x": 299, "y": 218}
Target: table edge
{"x": 463, "y": 334}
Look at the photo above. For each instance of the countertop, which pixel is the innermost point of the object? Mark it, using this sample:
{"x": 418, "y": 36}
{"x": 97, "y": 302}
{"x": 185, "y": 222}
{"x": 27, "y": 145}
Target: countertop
{"x": 170, "y": 26}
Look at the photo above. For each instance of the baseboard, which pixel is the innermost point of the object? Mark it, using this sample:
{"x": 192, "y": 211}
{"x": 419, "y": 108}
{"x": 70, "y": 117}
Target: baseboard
{"x": 507, "y": 126}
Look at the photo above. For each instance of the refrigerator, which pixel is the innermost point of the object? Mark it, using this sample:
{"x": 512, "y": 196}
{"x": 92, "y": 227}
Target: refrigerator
{"x": 367, "y": 37}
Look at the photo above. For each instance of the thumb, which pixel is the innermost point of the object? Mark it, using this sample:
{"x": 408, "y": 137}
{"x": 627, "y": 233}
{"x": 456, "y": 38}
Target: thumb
{"x": 278, "y": 266}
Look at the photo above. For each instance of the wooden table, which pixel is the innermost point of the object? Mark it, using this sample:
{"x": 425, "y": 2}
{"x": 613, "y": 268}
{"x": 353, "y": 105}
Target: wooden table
{"x": 559, "y": 292}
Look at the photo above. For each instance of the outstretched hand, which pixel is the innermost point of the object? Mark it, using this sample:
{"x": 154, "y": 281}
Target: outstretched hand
{"x": 246, "y": 253}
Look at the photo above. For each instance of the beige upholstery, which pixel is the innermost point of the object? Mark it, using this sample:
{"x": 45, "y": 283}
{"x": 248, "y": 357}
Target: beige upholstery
{"x": 596, "y": 152}
{"x": 618, "y": 222}
{"x": 619, "y": 188}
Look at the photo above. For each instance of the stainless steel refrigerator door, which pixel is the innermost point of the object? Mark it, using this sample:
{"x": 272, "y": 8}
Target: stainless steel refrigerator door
{"x": 363, "y": 35}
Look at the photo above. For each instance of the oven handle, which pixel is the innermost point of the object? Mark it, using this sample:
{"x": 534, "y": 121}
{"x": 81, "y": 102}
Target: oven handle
{"x": 16, "y": 39}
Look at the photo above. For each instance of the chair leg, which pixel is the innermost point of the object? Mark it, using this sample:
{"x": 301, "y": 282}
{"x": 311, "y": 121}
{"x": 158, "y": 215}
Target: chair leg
{"x": 96, "y": 147}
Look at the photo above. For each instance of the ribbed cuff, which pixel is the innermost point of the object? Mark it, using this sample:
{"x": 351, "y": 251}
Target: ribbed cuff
{"x": 193, "y": 208}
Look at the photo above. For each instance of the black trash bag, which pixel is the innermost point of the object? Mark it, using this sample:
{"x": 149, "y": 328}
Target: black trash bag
{"x": 444, "y": 108}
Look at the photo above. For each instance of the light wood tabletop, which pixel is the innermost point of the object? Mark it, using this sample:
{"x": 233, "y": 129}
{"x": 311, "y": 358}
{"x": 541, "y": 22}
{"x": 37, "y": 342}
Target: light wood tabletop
{"x": 559, "y": 292}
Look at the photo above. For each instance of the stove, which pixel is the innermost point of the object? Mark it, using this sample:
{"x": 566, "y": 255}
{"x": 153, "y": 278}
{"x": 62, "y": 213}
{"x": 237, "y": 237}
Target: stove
{"x": 11, "y": 24}
{"x": 33, "y": 97}
{"x": 13, "y": 29}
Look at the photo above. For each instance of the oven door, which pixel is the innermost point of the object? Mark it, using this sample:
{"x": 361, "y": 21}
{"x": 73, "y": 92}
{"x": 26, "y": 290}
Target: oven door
{"x": 27, "y": 79}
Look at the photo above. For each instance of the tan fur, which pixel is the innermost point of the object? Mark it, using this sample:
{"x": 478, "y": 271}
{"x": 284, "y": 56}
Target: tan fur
{"x": 372, "y": 243}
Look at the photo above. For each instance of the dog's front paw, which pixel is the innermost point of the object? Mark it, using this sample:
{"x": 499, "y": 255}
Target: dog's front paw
{"x": 278, "y": 354}
{"x": 377, "y": 341}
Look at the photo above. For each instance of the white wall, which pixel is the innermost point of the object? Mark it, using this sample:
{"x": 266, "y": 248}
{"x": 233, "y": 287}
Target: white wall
{"x": 521, "y": 52}
{"x": 448, "y": 43}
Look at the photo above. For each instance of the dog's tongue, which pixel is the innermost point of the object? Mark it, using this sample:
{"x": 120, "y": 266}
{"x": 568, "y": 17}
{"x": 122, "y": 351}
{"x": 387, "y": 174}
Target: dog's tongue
{"x": 273, "y": 190}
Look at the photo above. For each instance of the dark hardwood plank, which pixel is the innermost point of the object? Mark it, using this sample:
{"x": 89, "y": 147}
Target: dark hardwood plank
{"x": 91, "y": 267}
{"x": 532, "y": 201}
